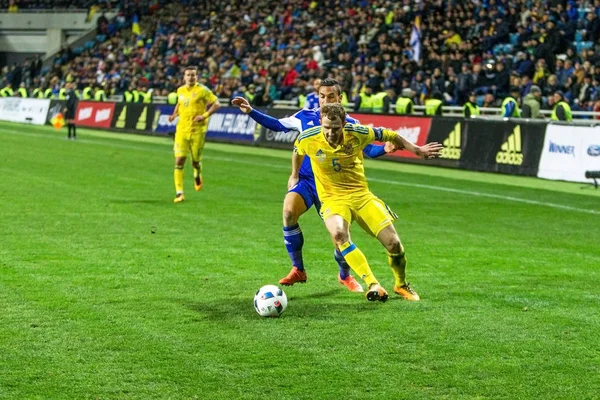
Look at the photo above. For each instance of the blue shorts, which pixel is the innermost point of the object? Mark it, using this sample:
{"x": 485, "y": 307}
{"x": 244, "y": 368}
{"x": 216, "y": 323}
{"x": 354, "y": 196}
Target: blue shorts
{"x": 308, "y": 191}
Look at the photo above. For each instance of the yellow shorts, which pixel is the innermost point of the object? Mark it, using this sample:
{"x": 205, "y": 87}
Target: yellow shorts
{"x": 372, "y": 214}
{"x": 189, "y": 144}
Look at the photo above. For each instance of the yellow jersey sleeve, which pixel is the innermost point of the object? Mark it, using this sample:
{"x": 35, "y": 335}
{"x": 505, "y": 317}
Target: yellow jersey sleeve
{"x": 387, "y": 135}
{"x": 299, "y": 148}
{"x": 209, "y": 96}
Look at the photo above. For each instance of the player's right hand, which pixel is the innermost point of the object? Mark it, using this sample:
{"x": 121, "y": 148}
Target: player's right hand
{"x": 171, "y": 118}
{"x": 243, "y": 104}
{"x": 293, "y": 181}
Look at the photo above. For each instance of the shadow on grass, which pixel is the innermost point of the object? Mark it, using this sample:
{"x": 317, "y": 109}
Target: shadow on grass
{"x": 311, "y": 306}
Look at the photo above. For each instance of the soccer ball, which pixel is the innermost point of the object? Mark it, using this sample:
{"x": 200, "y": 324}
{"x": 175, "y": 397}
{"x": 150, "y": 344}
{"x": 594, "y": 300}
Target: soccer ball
{"x": 270, "y": 301}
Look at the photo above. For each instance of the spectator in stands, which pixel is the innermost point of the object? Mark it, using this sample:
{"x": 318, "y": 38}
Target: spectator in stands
{"x": 510, "y": 105}
{"x": 532, "y": 103}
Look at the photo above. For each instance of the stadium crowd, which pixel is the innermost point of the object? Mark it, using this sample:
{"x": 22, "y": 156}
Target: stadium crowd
{"x": 267, "y": 50}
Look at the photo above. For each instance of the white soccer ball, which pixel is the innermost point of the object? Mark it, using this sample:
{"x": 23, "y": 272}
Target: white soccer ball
{"x": 270, "y": 301}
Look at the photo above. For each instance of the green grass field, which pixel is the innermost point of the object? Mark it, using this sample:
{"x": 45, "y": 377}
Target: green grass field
{"x": 108, "y": 290}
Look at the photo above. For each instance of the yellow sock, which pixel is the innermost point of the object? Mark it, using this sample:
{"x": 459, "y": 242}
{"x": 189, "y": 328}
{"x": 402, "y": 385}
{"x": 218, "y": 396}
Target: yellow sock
{"x": 178, "y": 175}
{"x": 358, "y": 262}
{"x": 398, "y": 264}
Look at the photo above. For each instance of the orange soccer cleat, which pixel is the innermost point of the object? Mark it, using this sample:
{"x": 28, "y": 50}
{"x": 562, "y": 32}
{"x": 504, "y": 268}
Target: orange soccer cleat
{"x": 179, "y": 198}
{"x": 198, "y": 182}
{"x": 407, "y": 292}
{"x": 377, "y": 293}
{"x": 295, "y": 276}
{"x": 351, "y": 284}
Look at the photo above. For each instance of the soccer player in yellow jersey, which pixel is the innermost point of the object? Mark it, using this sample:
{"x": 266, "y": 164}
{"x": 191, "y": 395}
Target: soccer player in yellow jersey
{"x": 195, "y": 104}
{"x": 335, "y": 151}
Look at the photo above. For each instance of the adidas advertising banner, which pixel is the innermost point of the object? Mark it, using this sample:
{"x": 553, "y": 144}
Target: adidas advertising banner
{"x": 449, "y": 132}
{"x": 569, "y": 151}
{"x": 278, "y": 140}
{"x": 161, "y": 120}
{"x": 231, "y": 125}
{"x": 414, "y": 129}
{"x": 502, "y": 146}
{"x": 133, "y": 117}
{"x": 29, "y": 111}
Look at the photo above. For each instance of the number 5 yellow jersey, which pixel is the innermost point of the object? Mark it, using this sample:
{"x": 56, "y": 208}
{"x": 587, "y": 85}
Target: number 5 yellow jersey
{"x": 339, "y": 172}
{"x": 193, "y": 102}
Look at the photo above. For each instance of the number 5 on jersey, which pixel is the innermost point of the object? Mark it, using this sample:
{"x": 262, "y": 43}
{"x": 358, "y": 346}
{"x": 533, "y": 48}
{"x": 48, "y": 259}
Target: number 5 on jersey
{"x": 337, "y": 167}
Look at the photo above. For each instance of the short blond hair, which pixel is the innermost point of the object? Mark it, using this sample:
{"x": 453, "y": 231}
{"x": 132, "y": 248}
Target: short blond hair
{"x": 333, "y": 111}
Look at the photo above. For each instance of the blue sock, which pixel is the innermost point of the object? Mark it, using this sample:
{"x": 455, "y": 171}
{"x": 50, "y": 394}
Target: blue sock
{"x": 294, "y": 240}
{"x": 344, "y": 267}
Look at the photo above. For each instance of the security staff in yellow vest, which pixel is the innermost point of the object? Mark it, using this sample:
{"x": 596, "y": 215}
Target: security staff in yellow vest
{"x": 364, "y": 101}
{"x": 62, "y": 94}
{"x": 7, "y": 91}
{"x": 22, "y": 91}
{"x": 404, "y": 103}
{"x": 378, "y": 102}
{"x": 433, "y": 106}
{"x": 301, "y": 100}
{"x": 562, "y": 110}
{"x": 135, "y": 96}
{"x": 48, "y": 93}
{"x": 250, "y": 94}
{"x": 172, "y": 98}
{"x": 510, "y": 105}
{"x": 88, "y": 93}
{"x": 471, "y": 109}
{"x": 128, "y": 95}
{"x": 147, "y": 96}
{"x": 38, "y": 93}
{"x": 99, "y": 94}
{"x": 344, "y": 99}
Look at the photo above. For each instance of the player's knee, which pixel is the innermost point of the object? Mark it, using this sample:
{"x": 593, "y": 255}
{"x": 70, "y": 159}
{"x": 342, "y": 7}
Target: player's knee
{"x": 290, "y": 216}
{"x": 393, "y": 245}
{"x": 339, "y": 237}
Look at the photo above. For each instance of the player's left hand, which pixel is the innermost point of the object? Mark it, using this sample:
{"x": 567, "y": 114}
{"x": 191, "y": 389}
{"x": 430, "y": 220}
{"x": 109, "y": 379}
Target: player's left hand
{"x": 390, "y": 147}
{"x": 430, "y": 150}
{"x": 199, "y": 118}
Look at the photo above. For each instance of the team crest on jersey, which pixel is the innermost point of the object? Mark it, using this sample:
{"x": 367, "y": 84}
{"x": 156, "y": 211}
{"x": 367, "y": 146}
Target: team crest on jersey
{"x": 348, "y": 148}
{"x": 194, "y": 94}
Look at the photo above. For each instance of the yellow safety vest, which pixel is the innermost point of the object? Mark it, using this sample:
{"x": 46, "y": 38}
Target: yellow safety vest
{"x": 366, "y": 103}
{"x": 378, "y": 102}
{"x": 87, "y": 93}
{"x": 22, "y": 92}
{"x": 431, "y": 106}
{"x": 62, "y": 94}
{"x": 472, "y": 107}
{"x": 172, "y": 98}
{"x": 100, "y": 95}
{"x": 147, "y": 97}
{"x": 404, "y": 105}
{"x": 567, "y": 108}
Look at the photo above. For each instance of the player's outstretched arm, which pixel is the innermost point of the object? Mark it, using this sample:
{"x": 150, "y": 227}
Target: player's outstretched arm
{"x": 378, "y": 150}
{"x": 428, "y": 151}
{"x": 263, "y": 119}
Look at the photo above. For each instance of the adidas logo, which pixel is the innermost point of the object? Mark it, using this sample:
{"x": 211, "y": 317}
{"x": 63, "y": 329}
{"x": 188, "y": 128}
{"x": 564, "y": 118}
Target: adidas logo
{"x": 510, "y": 152}
{"x": 311, "y": 123}
{"x": 320, "y": 153}
{"x": 451, "y": 148}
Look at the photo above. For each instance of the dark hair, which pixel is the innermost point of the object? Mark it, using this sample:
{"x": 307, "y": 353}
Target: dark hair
{"x": 190, "y": 68}
{"x": 333, "y": 111}
{"x": 331, "y": 83}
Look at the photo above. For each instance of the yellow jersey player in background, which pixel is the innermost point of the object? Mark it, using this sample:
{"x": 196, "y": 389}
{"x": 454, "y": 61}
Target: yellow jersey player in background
{"x": 195, "y": 104}
{"x": 335, "y": 151}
